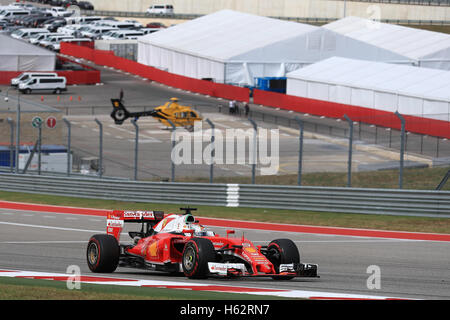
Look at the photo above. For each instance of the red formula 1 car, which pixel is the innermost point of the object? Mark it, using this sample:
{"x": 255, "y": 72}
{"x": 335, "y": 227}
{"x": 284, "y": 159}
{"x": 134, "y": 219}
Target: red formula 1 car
{"x": 178, "y": 243}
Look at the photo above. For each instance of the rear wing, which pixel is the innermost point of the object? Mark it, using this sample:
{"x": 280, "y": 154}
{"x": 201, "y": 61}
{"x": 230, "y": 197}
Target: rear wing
{"x": 116, "y": 218}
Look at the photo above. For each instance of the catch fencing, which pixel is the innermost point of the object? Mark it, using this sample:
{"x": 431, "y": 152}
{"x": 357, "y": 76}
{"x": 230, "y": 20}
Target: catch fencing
{"x": 317, "y": 199}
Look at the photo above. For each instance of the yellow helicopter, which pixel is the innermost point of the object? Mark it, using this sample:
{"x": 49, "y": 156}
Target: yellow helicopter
{"x": 180, "y": 116}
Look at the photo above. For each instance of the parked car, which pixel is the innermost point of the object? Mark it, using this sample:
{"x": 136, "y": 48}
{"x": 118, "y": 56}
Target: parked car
{"x": 136, "y": 23}
{"x": 52, "y": 40}
{"x": 37, "y": 39}
{"x": 85, "y": 5}
{"x": 160, "y": 9}
{"x": 68, "y": 3}
{"x": 155, "y": 25}
{"x": 27, "y": 32}
{"x": 122, "y": 34}
{"x": 96, "y": 32}
{"x": 12, "y": 13}
{"x": 54, "y": 84}
{"x": 59, "y": 12}
{"x": 116, "y": 24}
{"x": 69, "y": 30}
{"x": 52, "y": 27}
{"x": 149, "y": 30}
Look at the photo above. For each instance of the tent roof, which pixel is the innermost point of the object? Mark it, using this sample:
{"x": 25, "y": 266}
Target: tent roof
{"x": 406, "y": 80}
{"x": 11, "y": 46}
{"x": 226, "y": 34}
{"x": 409, "y": 42}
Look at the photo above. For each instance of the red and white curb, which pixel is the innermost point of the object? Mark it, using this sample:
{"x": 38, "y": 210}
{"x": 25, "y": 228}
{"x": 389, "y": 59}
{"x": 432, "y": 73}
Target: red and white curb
{"x": 318, "y": 295}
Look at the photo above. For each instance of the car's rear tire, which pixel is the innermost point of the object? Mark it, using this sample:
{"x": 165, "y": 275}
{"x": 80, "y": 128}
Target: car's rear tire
{"x": 282, "y": 251}
{"x": 196, "y": 255}
{"x": 103, "y": 253}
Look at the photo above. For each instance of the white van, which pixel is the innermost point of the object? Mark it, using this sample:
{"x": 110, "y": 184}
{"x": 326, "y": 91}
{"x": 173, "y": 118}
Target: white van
{"x": 115, "y": 24}
{"x": 54, "y": 84}
{"x": 122, "y": 35}
{"x": 27, "y": 32}
{"x": 96, "y": 32}
{"x": 80, "y": 20}
{"x": 11, "y": 13}
{"x": 160, "y": 9}
{"x": 27, "y": 75}
{"x": 54, "y": 39}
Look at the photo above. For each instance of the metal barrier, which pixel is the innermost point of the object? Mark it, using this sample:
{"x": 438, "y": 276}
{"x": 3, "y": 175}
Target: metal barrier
{"x": 310, "y": 20}
{"x": 320, "y": 199}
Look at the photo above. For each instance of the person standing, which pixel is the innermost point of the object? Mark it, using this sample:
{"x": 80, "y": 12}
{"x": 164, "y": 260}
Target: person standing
{"x": 231, "y": 106}
{"x": 246, "y": 109}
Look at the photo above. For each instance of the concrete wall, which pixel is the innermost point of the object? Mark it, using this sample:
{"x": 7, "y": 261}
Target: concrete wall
{"x": 287, "y": 8}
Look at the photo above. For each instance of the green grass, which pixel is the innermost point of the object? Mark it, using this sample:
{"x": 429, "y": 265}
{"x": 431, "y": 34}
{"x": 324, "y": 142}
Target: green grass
{"x": 31, "y": 289}
{"x": 382, "y": 222}
{"x": 419, "y": 179}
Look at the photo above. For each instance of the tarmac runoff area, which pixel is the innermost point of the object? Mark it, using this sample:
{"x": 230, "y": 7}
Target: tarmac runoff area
{"x": 83, "y": 104}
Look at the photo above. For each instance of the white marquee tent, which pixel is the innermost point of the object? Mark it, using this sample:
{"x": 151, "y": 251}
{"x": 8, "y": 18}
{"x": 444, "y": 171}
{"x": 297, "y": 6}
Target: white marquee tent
{"x": 416, "y": 47}
{"x": 17, "y": 55}
{"x": 422, "y": 92}
{"x": 235, "y": 47}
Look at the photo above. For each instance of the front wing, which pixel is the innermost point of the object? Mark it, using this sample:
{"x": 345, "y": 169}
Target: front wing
{"x": 239, "y": 270}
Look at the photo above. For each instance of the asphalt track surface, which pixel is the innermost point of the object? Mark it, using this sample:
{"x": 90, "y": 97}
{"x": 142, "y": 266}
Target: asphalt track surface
{"x": 50, "y": 242}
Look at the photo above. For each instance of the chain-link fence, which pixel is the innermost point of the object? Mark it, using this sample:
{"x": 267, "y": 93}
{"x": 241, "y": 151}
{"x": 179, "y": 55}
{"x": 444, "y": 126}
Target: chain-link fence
{"x": 101, "y": 148}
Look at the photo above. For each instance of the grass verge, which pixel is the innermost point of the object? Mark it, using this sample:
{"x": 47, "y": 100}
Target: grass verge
{"x": 33, "y": 289}
{"x": 350, "y": 220}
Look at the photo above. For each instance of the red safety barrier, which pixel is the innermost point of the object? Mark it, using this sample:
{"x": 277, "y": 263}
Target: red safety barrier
{"x": 107, "y": 58}
{"x": 432, "y": 127}
{"x": 304, "y": 105}
{"x": 87, "y": 76}
{"x": 6, "y": 76}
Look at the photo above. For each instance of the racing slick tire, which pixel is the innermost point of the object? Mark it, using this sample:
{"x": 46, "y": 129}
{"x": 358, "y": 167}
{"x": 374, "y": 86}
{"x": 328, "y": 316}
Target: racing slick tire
{"x": 196, "y": 255}
{"x": 282, "y": 251}
{"x": 103, "y": 253}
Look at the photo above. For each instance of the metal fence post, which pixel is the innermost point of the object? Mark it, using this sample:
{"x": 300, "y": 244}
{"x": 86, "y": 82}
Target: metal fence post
{"x": 402, "y": 150}
{"x": 11, "y": 144}
{"x": 136, "y": 148}
{"x": 172, "y": 164}
{"x": 39, "y": 147}
{"x": 69, "y": 138}
{"x": 350, "y": 151}
{"x": 255, "y": 132}
{"x": 213, "y": 151}
{"x": 300, "y": 150}
{"x": 100, "y": 161}
{"x": 17, "y": 132}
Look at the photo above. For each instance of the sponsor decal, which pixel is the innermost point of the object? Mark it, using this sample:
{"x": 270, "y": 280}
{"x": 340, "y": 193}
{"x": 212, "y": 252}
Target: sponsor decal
{"x": 139, "y": 215}
{"x": 152, "y": 250}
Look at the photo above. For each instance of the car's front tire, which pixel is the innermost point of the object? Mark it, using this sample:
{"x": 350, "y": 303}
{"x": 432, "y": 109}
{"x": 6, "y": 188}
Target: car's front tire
{"x": 196, "y": 254}
{"x": 282, "y": 251}
{"x": 103, "y": 253}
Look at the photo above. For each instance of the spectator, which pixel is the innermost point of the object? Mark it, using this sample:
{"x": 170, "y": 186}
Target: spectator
{"x": 231, "y": 106}
{"x": 246, "y": 109}
{"x": 236, "y": 108}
